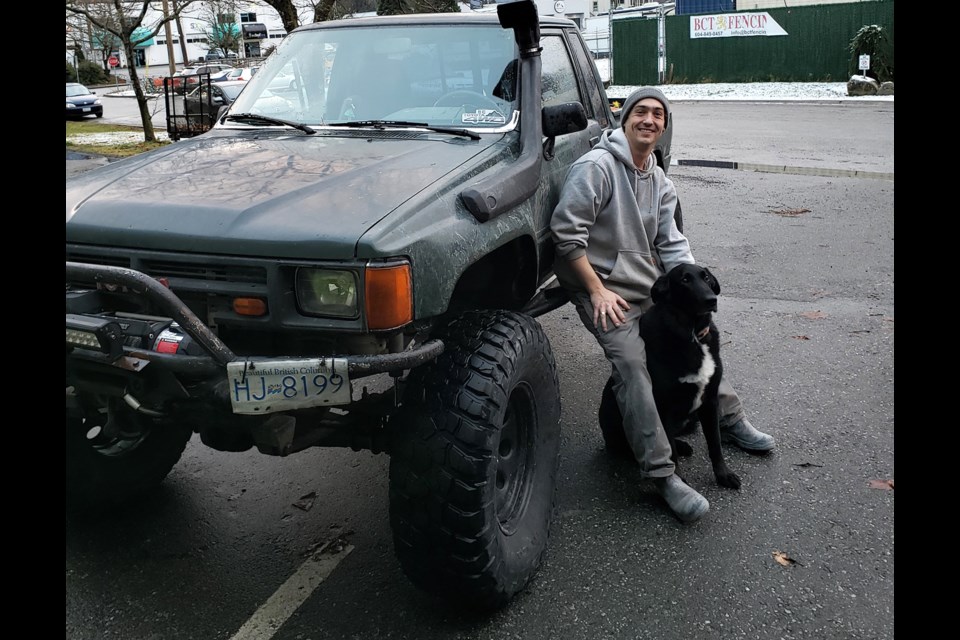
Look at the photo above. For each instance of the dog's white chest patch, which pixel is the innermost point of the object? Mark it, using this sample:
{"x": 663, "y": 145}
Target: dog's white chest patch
{"x": 701, "y": 377}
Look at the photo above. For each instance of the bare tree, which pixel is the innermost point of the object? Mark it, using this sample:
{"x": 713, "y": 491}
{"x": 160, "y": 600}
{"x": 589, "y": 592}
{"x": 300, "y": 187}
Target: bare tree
{"x": 183, "y": 41}
{"x": 392, "y": 7}
{"x": 287, "y": 11}
{"x": 323, "y": 10}
{"x": 436, "y": 6}
{"x": 122, "y": 18}
{"x": 224, "y": 28}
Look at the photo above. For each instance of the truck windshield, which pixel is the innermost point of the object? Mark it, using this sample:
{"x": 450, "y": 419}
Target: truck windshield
{"x": 448, "y": 75}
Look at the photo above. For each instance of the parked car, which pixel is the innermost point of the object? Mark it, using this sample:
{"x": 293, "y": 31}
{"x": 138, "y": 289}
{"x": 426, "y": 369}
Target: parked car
{"x": 189, "y": 77}
{"x": 221, "y": 76}
{"x": 82, "y": 101}
{"x": 283, "y": 81}
{"x": 382, "y": 223}
{"x": 202, "y": 103}
{"x": 216, "y": 67}
{"x": 240, "y": 73}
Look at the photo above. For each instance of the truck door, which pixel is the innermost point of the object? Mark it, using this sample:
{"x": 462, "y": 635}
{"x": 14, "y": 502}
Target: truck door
{"x": 561, "y": 83}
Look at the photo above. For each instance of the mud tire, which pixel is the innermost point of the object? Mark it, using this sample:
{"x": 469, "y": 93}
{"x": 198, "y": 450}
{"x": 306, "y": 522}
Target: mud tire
{"x": 105, "y": 473}
{"x": 474, "y": 463}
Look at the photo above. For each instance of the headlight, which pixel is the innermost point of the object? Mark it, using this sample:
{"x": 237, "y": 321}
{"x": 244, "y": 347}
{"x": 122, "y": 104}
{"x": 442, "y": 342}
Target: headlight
{"x": 97, "y": 101}
{"x": 327, "y": 292}
{"x": 70, "y": 105}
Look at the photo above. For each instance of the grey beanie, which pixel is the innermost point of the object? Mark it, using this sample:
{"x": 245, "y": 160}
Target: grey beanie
{"x": 640, "y": 94}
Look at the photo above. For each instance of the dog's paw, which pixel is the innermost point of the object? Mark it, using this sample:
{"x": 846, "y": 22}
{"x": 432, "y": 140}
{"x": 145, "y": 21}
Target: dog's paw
{"x": 727, "y": 478}
{"x": 684, "y": 449}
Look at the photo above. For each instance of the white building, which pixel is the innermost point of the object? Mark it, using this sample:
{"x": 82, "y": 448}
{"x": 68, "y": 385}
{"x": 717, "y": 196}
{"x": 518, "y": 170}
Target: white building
{"x": 260, "y": 27}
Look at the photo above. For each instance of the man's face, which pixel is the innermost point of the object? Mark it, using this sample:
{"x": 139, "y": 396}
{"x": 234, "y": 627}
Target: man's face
{"x": 645, "y": 123}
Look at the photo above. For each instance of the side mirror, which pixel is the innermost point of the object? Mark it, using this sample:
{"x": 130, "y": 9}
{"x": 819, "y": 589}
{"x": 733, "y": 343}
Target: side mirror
{"x": 560, "y": 119}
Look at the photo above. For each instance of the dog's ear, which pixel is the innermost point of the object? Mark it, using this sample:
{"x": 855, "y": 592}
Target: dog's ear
{"x": 660, "y": 292}
{"x": 712, "y": 281}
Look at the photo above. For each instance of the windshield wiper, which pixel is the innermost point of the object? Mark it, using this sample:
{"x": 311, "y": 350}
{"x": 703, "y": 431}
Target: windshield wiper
{"x": 383, "y": 124}
{"x": 257, "y": 118}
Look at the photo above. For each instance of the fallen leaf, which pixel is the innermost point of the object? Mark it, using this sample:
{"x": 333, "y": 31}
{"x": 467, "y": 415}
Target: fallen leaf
{"x": 306, "y": 502}
{"x": 790, "y": 212}
{"x": 807, "y": 464}
{"x": 800, "y": 337}
{"x": 814, "y": 315}
{"x": 784, "y": 559}
{"x": 886, "y": 485}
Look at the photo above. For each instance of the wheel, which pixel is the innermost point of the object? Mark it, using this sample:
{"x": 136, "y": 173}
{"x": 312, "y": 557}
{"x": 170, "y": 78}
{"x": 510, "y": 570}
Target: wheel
{"x": 474, "y": 462}
{"x": 100, "y": 115}
{"x": 114, "y": 455}
{"x": 462, "y": 97}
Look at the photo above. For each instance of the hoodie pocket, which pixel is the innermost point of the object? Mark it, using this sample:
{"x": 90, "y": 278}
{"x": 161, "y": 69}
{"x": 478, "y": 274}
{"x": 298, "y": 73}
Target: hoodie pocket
{"x": 633, "y": 274}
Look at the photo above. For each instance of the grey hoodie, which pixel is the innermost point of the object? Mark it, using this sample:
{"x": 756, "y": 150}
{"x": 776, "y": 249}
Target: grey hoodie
{"x": 621, "y": 218}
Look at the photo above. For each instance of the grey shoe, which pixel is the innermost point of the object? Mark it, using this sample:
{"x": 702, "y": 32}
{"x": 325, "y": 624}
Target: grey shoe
{"x": 747, "y": 437}
{"x": 687, "y": 504}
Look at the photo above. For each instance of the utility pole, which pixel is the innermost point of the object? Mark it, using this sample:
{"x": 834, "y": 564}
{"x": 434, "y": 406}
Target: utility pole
{"x": 171, "y": 63}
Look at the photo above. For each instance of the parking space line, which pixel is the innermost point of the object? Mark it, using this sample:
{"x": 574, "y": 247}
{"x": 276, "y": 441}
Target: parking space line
{"x": 278, "y": 608}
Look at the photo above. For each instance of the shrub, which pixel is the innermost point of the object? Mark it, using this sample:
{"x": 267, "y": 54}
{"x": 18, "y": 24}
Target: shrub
{"x": 872, "y": 41}
{"x": 71, "y": 73}
{"x": 91, "y": 73}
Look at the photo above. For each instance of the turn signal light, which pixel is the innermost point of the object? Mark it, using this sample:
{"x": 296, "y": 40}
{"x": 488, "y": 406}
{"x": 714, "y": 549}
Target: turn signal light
{"x": 249, "y": 307}
{"x": 389, "y": 296}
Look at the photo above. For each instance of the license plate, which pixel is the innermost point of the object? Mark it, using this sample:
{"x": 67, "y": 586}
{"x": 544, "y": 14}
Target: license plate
{"x": 267, "y": 386}
{"x": 86, "y": 108}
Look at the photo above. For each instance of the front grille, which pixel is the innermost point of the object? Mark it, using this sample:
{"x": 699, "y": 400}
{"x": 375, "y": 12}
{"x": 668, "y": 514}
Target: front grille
{"x": 207, "y": 272}
{"x": 110, "y": 261}
{"x": 210, "y": 270}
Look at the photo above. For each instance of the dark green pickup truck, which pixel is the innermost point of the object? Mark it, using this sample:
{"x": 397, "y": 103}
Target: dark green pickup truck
{"x": 353, "y": 256}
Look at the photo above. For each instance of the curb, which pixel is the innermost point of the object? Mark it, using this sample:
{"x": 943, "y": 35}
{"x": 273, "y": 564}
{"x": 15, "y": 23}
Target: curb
{"x": 800, "y": 171}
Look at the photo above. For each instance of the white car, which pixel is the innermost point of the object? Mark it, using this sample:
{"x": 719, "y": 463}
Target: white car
{"x": 240, "y": 73}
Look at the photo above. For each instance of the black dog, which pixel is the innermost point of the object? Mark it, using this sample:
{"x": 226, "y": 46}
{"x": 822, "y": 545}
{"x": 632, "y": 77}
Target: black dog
{"x": 683, "y": 358}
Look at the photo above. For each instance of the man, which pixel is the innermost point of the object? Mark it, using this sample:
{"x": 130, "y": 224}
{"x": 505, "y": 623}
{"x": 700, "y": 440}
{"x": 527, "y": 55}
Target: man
{"x": 615, "y": 234}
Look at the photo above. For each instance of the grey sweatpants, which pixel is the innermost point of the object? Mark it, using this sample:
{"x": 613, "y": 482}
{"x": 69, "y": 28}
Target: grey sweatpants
{"x": 627, "y": 354}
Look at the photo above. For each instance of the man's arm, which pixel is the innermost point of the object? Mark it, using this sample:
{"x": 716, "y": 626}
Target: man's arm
{"x": 672, "y": 246}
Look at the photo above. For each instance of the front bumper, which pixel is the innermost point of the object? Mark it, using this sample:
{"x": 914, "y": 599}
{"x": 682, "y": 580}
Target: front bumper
{"x": 211, "y": 365}
{"x": 93, "y": 110}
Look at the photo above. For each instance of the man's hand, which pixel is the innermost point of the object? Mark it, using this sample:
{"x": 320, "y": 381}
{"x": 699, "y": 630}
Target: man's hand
{"x": 607, "y": 305}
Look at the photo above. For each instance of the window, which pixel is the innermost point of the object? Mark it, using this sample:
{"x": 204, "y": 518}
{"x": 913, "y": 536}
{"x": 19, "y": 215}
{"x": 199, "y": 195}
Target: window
{"x": 593, "y": 86}
{"x": 248, "y": 17}
{"x": 559, "y": 81}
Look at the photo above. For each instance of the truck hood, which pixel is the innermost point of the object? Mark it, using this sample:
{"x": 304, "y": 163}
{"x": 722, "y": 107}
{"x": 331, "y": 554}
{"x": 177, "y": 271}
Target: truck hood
{"x": 260, "y": 194}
